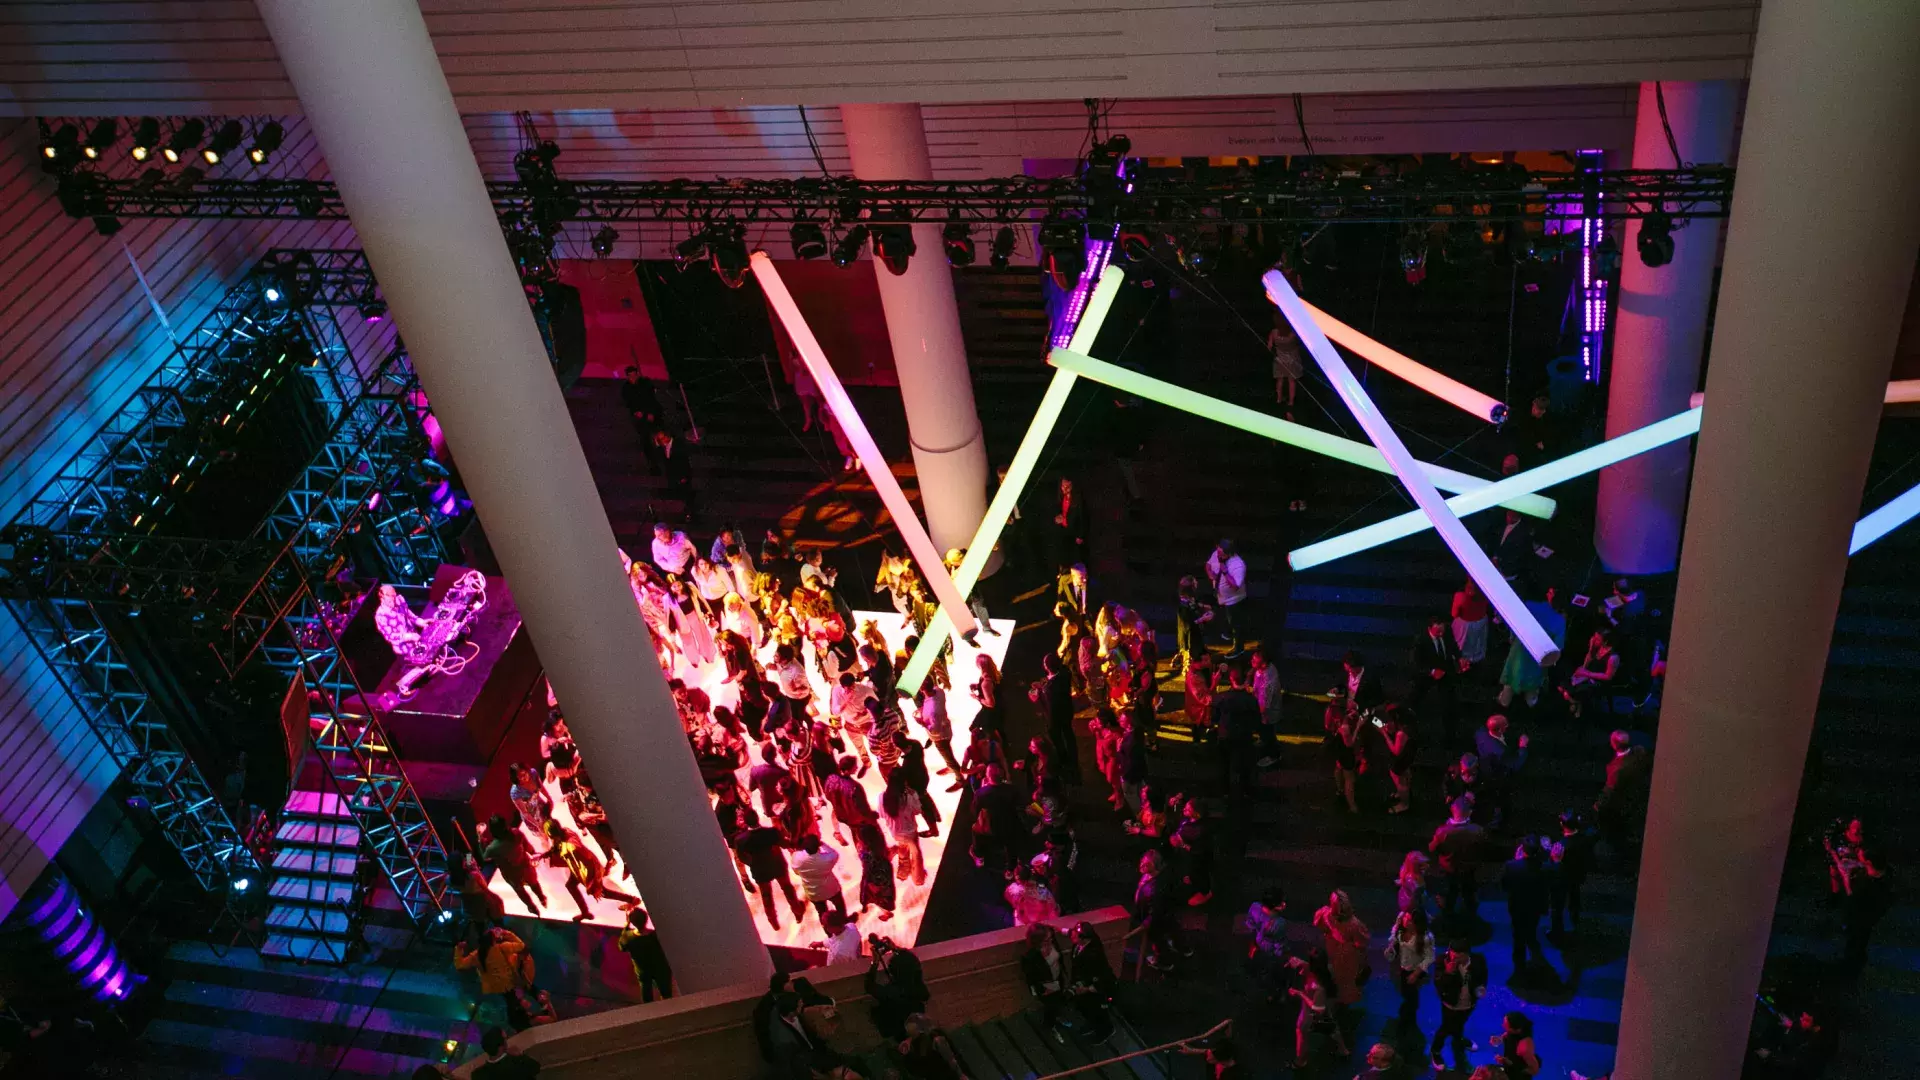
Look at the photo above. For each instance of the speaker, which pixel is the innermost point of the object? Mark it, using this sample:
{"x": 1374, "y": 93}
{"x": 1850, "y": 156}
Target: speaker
{"x": 567, "y": 330}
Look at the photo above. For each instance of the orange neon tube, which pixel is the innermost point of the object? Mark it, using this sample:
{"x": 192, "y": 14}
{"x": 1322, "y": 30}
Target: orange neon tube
{"x": 1451, "y": 391}
{"x": 1899, "y": 392}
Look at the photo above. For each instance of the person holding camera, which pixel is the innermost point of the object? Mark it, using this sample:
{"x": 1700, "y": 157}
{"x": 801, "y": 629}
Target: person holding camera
{"x": 895, "y": 983}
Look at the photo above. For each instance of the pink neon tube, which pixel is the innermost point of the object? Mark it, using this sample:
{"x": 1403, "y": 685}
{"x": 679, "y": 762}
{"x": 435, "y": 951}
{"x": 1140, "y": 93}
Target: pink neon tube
{"x": 1451, "y": 391}
{"x": 875, "y": 464}
{"x": 1507, "y": 602}
{"x": 1899, "y": 392}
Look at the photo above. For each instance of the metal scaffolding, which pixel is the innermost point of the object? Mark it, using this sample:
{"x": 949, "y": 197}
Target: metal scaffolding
{"x": 88, "y": 541}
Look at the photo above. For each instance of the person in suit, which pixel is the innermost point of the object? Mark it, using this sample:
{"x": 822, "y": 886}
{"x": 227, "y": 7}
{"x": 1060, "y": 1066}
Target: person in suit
{"x": 1073, "y": 593}
{"x": 1513, "y": 552}
{"x": 1045, "y": 967}
{"x": 1456, "y": 847}
{"x": 1525, "y": 882}
{"x": 1434, "y": 659}
{"x": 1500, "y": 762}
{"x": 1091, "y": 980}
{"x": 1460, "y": 983}
{"x": 1056, "y": 695}
{"x": 1067, "y": 526}
{"x": 643, "y": 407}
{"x": 1622, "y": 806}
{"x": 674, "y": 463}
{"x": 1363, "y": 686}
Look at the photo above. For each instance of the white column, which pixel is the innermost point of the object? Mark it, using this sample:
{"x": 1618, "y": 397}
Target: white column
{"x": 373, "y": 89}
{"x": 1819, "y": 260}
{"x": 889, "y": 142}
{"x": 1659, "y": 330}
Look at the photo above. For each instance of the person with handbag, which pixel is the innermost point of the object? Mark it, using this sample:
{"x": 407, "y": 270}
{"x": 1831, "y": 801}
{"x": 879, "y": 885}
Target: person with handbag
{"x": 504, "y": 966}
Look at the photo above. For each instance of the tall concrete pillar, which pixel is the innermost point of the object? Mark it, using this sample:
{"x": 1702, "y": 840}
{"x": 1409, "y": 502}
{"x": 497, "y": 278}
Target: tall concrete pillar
{"x": 1659, "y": 330}
{"x": 374, "y": 92}
{"x": 1819, "y": 259}
{"x": 889, "y": 142}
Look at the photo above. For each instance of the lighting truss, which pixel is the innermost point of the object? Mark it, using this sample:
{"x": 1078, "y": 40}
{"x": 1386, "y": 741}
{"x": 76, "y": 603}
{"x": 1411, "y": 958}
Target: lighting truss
{"x": 1526, "y": 629}
{"x": 1272, "y": 427}
{"x": 1019, "y": 471}
{"x": 932, "y": 566}
{"x": 1313, "y": 198}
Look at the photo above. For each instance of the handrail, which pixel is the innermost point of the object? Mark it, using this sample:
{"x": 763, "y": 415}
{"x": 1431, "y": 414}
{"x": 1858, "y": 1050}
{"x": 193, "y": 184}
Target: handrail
{"x": 1178, "y": 1044}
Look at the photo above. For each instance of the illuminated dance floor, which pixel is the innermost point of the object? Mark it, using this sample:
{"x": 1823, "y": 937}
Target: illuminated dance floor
{"x": 910, "y": 900}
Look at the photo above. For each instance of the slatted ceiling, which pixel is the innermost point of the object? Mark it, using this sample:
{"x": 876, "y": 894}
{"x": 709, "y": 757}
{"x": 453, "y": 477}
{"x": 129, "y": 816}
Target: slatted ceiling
{"x": 76, "y": 338}
{"x": 118, "y": 56}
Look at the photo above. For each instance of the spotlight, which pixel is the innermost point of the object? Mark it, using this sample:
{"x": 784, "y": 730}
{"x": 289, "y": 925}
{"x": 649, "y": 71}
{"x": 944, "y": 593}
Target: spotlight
{"x": 1134, "y": 246}
{"x": 893, "y": 246}
{"x": 603, "y": 240}
{"x": 100, "y": 138}
{"x": 373, "y": 310}
{"x": 727, "y": 249}
{"x": 60, "y": 149}
{"x": 185, "y": 137}
{"x": 307, "y": 201}
{"x": 242, "y": 884}
{"x": 446, "y": 915}
{"x": 808, "y": 239}
{"x": 224, "y": 142}
{"x": 847, "y": 251}
{"x": 1002, "y": 248}
{"x": 1064, "y": 247}
{"x": 957, "y": 239}
{"x": 1656, "y": 238}
{"x": 272, "y": 294}
{"x": 146, "y": 134}
{"x": 265, "y": 142}
{"x": 689, "y": 251}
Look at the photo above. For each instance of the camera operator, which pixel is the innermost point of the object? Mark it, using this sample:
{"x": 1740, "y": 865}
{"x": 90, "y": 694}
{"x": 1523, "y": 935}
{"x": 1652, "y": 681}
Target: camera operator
{"x": 896, "y": 986}
{"x": 1857, "y": 878}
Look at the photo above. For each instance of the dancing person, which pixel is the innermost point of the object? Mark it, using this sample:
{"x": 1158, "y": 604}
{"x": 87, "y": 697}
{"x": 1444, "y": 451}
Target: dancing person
{"x": 1190, "y": 616}
{"x": 1057, "y": 695}
{"x": 986, "y": 691}
{"x": 1410, "y": 884}
{"x": 1227, "y": 572}
{"x": 500, "y": 959}
{"x": 641, "y": 942}
{"x": 673, "y": 553}
{"x": 1265, "y": 684}
{"x": 1028, "y": 897}
{"x": 1312, "y": 989}
{"x": 761, "y": 848}
{"x": 814, "y": 865}
{"x": 1193, "y": 837}
{"x": 1409, "y": 958}
{"x": 1342, "y": 736}
{"x": 913, "y": 763}
{"x": 586, "y": 875}
{"x": 1344, "y": 937}
{"x": 507, "y": 851}
{"x": 1460, "y": 983}
{"x": 1471, "y": 619}
{"x": 1398, "y": 741}
{"x": 876, "y": 869}
{"x": 900, "y": 811}
{"x": 1858, "y": 877}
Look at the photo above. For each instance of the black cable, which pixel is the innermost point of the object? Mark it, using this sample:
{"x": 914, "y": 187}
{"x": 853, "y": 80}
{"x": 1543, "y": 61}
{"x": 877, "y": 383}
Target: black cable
{"x": 1660, "y": 99}
{"x": 812, "y": 143}
{"x": 1300, "y": 118}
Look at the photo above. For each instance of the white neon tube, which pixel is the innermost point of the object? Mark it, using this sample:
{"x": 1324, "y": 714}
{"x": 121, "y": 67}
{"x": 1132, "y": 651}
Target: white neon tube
{"x": 864, "y": 448}
{"x": 1560, "y": 470}
{"x": 1886, "y": 519}
{"x": 1449, "y": 390}
{"x": 1272, "y": 427}
{"x": 1899, "y": 392}
{"x": 1525, "y": 627}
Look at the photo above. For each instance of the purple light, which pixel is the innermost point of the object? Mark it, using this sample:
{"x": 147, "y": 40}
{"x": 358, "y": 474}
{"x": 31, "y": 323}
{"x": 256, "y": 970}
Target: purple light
{"x": 1593, "y": 290}
{"x": 80, "y": 944}
{"x": 1098, "y": 252}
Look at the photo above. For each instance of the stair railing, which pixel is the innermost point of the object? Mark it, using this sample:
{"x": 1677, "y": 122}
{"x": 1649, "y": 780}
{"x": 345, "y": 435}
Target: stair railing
{"x": 1167, "y": 1049}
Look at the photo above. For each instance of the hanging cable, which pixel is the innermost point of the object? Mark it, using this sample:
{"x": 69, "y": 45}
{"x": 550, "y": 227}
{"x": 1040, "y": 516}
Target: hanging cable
{"x": 1300, "y": 118}
{"x": 1660, "y": 99}
{"x": 812, "y": 143}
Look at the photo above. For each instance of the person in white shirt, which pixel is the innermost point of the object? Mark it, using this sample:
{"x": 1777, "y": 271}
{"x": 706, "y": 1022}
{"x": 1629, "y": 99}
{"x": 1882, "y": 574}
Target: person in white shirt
{"x": 712, "y": 581}
{"x": 813, "y": 867}
{"x": 672, "y": 551}
{"x": 1267, "y": 691}
{"x": 1228, "y": 573}
{"x": 848, "y": 704}
{"x": 843, "y": 939}
{"x": 933, "y": 716}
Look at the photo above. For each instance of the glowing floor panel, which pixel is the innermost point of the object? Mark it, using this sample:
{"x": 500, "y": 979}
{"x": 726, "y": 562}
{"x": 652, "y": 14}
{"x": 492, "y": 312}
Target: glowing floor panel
{"x": 910, "y": 902}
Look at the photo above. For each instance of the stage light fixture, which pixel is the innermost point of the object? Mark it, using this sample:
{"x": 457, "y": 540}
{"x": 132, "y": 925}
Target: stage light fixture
{"x": 689, "y": 251}
{"x": 603, "y": 240}
{"x": 60, "y": 148}
{"x": 101, "y": 138}
{"x": 957, "y": 240}
{"x": 373, "y": 310}
{"x": 727, "y": 253}
{"x": 893, "y": 245}
{"x": 224, "y": 142}
{"x": 808, "y": 239}
{"x": 1002, "y": 253}
{"x": 146, "y": 135}
{"x": 1063, "y": 246}
{"x": 846, "y": 251}
{"x": 265, "y": 142}
{"x": 185, "y": 137}
{"x": 1656, "y": 239}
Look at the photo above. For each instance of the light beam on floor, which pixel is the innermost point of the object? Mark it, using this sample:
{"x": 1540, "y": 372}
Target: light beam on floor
{"x": 1525, "y": 627}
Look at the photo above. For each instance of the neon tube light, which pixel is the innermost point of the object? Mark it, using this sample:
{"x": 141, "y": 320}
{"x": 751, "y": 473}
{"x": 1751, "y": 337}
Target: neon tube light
{"x": 1560, "y": 470}
{"x": 1899, "y": 392}
{"x": 1451, "y": 391}
{"x": 1886, "y": 519}
{"x": 875, "y": 464}
{"x": 1272, "y": 427}
{"x": 1525, "y": 627}
{"x": 1019, "y": 471}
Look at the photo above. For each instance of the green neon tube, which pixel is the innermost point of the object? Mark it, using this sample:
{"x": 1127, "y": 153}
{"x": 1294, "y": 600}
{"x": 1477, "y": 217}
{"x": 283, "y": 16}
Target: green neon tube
{"x": 1272, "y": 427}
{"x": 1019, "y": 471}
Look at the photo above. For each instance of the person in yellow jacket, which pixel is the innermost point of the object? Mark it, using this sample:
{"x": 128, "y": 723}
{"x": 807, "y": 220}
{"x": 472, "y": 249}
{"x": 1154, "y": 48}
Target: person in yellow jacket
{"x": 504, "y": 965}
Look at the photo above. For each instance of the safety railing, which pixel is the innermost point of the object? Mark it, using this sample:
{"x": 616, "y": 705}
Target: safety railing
{"x": 1163, "y": 1051}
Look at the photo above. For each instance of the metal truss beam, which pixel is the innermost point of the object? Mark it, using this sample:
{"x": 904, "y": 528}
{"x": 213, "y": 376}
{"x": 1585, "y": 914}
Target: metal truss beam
{"x": 1318, "y": 196}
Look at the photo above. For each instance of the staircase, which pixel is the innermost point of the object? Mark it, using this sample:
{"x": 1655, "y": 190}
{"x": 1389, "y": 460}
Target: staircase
{"x": 1019, "y": 1047}
{"x": 316, "y": 892}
